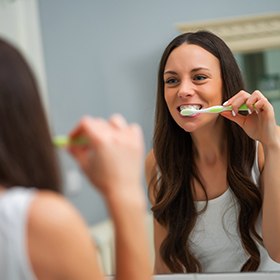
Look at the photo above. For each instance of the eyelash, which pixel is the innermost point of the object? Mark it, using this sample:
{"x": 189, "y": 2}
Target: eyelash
{"x": 197, "y": 78}
{"x": 171, "y": 81}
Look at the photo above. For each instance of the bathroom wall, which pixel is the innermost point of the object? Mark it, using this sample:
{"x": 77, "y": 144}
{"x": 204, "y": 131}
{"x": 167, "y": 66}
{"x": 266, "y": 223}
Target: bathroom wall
{"x": 101, "y": 57}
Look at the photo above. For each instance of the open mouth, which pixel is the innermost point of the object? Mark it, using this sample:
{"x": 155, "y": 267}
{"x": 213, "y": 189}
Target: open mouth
{"x": 189, "y": 106}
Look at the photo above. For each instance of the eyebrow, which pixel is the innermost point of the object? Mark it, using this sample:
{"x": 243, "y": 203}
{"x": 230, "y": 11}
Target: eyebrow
{"x": 200, "y": 68}
{"x": 169, "y": 72}
{"x": 193, "y": 70}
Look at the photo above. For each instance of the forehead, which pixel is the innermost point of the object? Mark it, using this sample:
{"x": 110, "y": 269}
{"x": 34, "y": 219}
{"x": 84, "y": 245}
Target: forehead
{"x": 191, "y": 56}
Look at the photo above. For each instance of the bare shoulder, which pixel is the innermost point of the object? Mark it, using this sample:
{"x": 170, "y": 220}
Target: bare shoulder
{"x": 49, "y": 209}
{"x": 56, "y": 233}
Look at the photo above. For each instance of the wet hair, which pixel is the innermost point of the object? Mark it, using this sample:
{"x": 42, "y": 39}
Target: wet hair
{"x": 27, "y": 155}
{"x": 172, "y": 188}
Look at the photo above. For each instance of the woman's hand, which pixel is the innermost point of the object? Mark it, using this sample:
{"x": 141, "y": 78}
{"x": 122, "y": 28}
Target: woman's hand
{"x": 259, "y": 123}
{"x": 112, "y": 158}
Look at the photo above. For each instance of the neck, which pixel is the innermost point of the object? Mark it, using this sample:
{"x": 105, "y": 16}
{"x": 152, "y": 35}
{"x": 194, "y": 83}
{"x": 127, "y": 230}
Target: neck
{"x": 210, "y": 144}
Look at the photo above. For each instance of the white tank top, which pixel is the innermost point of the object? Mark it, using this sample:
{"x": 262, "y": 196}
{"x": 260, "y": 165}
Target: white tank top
{"x": 14, "y": 260}
{"x": 215, "y": 240}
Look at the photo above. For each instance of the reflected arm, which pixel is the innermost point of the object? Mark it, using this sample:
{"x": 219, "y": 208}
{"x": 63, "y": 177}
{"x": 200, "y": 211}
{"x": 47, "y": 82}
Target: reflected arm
{"x": 271, "y": 197}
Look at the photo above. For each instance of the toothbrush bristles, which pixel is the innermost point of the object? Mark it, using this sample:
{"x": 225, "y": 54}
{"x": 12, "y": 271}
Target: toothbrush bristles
{"x": 188, "y": 111}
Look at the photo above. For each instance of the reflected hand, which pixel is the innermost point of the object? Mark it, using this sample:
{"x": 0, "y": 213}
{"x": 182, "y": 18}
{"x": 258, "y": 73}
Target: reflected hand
{"x": 259, "y": 123}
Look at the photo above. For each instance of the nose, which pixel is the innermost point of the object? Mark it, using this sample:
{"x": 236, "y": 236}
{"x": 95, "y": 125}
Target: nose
{"x": 185, "y": 89}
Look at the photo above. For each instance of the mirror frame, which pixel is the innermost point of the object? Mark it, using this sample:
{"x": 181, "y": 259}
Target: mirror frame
{"x": 242, "y": 34}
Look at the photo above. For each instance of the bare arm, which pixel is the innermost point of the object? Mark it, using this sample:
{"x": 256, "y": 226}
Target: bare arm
{"x": 261, "y": 125}
{"x": 271, "y": 198}
{"x": 128, "y": 213}
{"x": 112, "y": 161}
{"x": 159, "y": 231}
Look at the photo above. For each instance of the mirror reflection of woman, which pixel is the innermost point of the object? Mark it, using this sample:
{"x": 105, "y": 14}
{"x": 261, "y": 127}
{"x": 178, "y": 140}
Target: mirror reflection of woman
{"x": 213, "y": 179}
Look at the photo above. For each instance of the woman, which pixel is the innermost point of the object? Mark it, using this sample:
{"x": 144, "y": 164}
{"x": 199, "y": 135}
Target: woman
{"x": 212, "y": 178}
{"x": 41, "y": 235}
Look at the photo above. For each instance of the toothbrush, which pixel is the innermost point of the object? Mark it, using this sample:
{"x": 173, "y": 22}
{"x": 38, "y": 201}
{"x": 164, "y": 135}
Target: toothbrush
{"x": 214, "y": 109}
{"x": 62, "y": 141}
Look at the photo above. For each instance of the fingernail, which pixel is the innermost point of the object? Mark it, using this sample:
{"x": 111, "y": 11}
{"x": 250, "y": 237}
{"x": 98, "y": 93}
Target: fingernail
{"x": 225, "y": 103}
{"x": 233, "y": 113}
{"x": 249, "y": 111}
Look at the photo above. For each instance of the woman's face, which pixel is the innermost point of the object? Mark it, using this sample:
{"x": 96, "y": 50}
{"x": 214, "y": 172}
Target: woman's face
{"x": 192, "y": 77}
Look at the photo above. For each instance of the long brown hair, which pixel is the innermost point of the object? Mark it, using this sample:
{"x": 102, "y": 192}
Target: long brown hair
{"x": 27, "y": 155}
{"x": 174, "y": 206}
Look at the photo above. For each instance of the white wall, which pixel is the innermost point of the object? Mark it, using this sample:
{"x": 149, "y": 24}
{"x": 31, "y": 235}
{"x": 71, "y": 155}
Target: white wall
{"x": 20, "y": 24}
{"x": 102, "y": 57}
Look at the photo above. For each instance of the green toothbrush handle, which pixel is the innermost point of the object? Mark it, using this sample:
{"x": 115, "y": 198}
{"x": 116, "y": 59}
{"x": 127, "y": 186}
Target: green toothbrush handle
{"x": 243, "y": 107}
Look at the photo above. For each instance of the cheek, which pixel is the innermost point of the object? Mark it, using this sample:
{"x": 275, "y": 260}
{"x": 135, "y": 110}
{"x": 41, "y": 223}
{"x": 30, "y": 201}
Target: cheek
{"x": 214, "y": 95}
{"x": 167, "y": 99}
{"x": 170, "y": 95}
{"x": 169, "y": 106}
{"x": 219, "y": 91}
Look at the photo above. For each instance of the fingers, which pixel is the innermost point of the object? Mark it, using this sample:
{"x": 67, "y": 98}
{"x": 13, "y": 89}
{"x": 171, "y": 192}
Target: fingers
{"x": 85, "y": 126}
{"x": 256, "y": 102}
{"x": 118, "y": 121}
{"x": 97, "y": 131}
{"x": 260, "y": 102}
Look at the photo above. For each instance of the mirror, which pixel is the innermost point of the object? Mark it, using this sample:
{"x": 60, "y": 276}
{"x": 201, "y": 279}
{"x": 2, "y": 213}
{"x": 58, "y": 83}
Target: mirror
{"x": 259, "y": 60}
{"x": 261, "y": 71}
{"x": 255, "y": 41}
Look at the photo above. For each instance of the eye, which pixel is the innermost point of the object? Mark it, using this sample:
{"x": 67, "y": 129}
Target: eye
{"x": 199, "y": 77}
{"x": 171, "y": 81}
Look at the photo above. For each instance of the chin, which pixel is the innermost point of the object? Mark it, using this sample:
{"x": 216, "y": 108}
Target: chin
{"x": 188, "y": 128}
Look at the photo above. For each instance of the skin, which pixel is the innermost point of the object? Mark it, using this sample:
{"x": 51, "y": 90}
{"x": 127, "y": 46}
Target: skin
{"x": 192, "y": 76}
{"x": 59, "y": 244}
{"x": 116, "y": 168}
{"x": 58, "y": 241}
{"x": 261, "y": 125}
{"x": 196, "y": 79}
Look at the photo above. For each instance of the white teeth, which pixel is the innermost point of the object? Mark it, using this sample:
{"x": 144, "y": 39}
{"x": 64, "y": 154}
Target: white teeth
{"x": 190, "y": 106}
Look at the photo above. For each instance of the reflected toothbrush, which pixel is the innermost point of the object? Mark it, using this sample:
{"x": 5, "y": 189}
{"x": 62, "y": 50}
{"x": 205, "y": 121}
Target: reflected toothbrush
{"x": 214, "y": 109}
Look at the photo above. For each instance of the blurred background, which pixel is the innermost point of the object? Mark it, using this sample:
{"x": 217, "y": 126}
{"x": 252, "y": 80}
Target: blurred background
{"x": 101, "y": 57}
